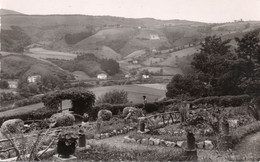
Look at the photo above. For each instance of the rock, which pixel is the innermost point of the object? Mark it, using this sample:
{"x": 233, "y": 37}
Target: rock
{"x": 132, "y": 140}
{"x": 180, "y": 143}
{"x": 162, "y": 131}
{"x": 162, "y": 143}
{"x": 127, "y": 139}
{"x": 131, "y": 128}
{"x": 208, "y": 145}
{"x": 200, "y": 145}
{"x": 102, "y": 136}
{"x": 151, "y": 141}
{"x": 156, "y": 142}
{"x": 107, "y": 135}
{"x": 145, "y": 141}
{"x": 233, "y": 123}
{"x": 139, "y": 141}
{"x": 170, "y": 144}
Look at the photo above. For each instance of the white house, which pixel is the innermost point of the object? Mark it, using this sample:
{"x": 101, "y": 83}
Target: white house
{"x": 154, "y": 36}
{"x": 33, "y": 78}
{"x": 102, "y": 76}
{"x": 135, "y": 62}
{"x": 145, "y": 76}
{"x": 13, "y": 84}
{"x": 127, "y": 76}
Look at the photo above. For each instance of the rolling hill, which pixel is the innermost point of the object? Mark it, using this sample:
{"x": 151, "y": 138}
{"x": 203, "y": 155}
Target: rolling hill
{"x": 121, "y": 39}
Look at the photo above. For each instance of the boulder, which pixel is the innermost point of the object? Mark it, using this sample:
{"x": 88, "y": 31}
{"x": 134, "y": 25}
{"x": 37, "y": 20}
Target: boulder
{"x": 208, "y": 145}
{"x": 170, "y": 144}
{"x": 200, "y": 145}
{"x": 162, "y": 143}
{"x": 180, "y": 143}
{"x": 107, "y": 135}
{"x": 156, "y": 141}
{"x": 127, "y": 139}
{"x": 145, "y": 141}
{"x": 151, "y": 141}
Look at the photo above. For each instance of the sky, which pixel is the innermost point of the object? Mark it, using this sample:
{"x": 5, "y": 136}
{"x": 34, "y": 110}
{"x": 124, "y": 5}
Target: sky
{"x": 211, "y": 11}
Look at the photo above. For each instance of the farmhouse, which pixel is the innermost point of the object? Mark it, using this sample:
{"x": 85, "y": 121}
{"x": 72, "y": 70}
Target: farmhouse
{"x": 102, "y": 76}
{"x": 33, "y": 78}
{"x": 154, "y": 36}
{"x": 13, "y": 84}
{"x": 135, "y": 62}
{"x": 144, "y": 76}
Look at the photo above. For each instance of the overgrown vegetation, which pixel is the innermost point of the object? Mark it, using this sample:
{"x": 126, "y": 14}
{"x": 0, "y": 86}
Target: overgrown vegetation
{"x": 113, "y": 97}
{"x": 221, "y": 71}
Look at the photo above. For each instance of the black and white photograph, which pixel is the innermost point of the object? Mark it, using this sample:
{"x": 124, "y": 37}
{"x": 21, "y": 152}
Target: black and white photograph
{"x": 129, "y": 80}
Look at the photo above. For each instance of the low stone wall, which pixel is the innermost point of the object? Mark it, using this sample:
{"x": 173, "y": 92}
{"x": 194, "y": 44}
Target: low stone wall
{"x": 113, "y": 133}
{"x": 207, "y": 144}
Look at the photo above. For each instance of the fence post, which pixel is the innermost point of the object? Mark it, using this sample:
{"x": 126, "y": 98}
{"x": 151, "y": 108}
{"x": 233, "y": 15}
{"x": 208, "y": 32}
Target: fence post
{"x": 142, "y": 124}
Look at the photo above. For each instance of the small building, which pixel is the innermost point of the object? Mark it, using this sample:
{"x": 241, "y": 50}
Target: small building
{"x": 154, "y": 36}
{"x": 135, "y": 62}
{"x": 154, "y": 50}
{"x": 102, "y": 76}
{"x": 33, "y": 78}
{"x": 12, "y": 84}
{"x": 144, "y": 76}
{"x": 127, "y": 76}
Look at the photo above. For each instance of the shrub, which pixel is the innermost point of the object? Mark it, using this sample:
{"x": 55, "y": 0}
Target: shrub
{"x": 113, "y": 97}
{"x": 29, "y": 101}
{"x": 105, "y": 115}
{"x": 136, "y": 112}
{"x": 243, "y": 131}
{"x": 223, "y": 100}
{"x": 12, "y": 126}
{"x": 62, "y": 119}
{"x": 82, "y": 100}
{"x": 41, "y": 113}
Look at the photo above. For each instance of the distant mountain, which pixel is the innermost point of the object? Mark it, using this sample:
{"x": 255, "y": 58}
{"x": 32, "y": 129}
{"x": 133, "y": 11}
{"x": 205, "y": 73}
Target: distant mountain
{"x": 9, "y": 12}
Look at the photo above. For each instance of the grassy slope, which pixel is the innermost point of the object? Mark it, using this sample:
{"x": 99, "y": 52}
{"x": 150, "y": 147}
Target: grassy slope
{"x": 24, "y": 65}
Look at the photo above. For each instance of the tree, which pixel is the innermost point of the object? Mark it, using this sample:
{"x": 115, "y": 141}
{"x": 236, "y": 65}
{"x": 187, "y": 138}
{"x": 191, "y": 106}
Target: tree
{"x": 248, "y": 46}
{"x": 185, "y": 85}
{"x": 110, "y": 66}
{"x": 4, "y": 84}
{"x": 114, "y": 97}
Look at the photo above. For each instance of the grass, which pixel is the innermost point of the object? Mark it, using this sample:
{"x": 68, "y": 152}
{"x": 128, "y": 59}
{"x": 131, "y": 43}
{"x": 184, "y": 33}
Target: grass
{"x": 43, "y": 53}
{"x": 106, "y": 153}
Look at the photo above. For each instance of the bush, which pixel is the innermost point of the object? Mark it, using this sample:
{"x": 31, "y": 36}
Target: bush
{"x": 223, "y": 100}
{"x": 62, "y": 119}
{"x": 12, "y": 126}
{"x": 105, "y": 115}
{"x": 243, "y": 131}
{"x": 41, "y": 113}
{"x": 113, "y": 97}
{"x": 29, "y": 101}
{"x": 128, "y": 109}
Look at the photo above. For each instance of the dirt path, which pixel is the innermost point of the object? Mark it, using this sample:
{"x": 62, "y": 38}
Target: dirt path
{"x": 249, "y": 146}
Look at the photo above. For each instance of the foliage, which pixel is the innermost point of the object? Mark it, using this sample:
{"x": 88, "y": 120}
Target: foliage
{"x": 9, "y": 96}
{"x": 185, "y": 85}
{"x": 244, "y": 131}
{"x": 104, "y": 115}
{"x": 62, "y": 119}
{"x": 28, "y": 101}
{"x": 12, "y": 126}
{"x": 27, "y": 149}
{"x": 248, "y": 46}
{"x": 223, "y": 100}
{"x": 14, "y": 39}
{"x": 113, "y": 97}
{"x": 110, "y": 66}
{"x": 77, "y": 37}
{"x": 4, "y": 84}
{"x": 68, "y": 137}
{"x": 82, "y": 100}
{"x": 40, "y": 113}
{"x": 106, "y": 153}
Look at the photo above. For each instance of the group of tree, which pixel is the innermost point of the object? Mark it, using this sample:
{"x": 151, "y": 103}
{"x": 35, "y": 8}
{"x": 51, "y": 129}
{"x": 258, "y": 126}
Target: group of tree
{"x": 82, "y": 62}
{"x": 14, "y": 39}
{"x": 220, "y": 70}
